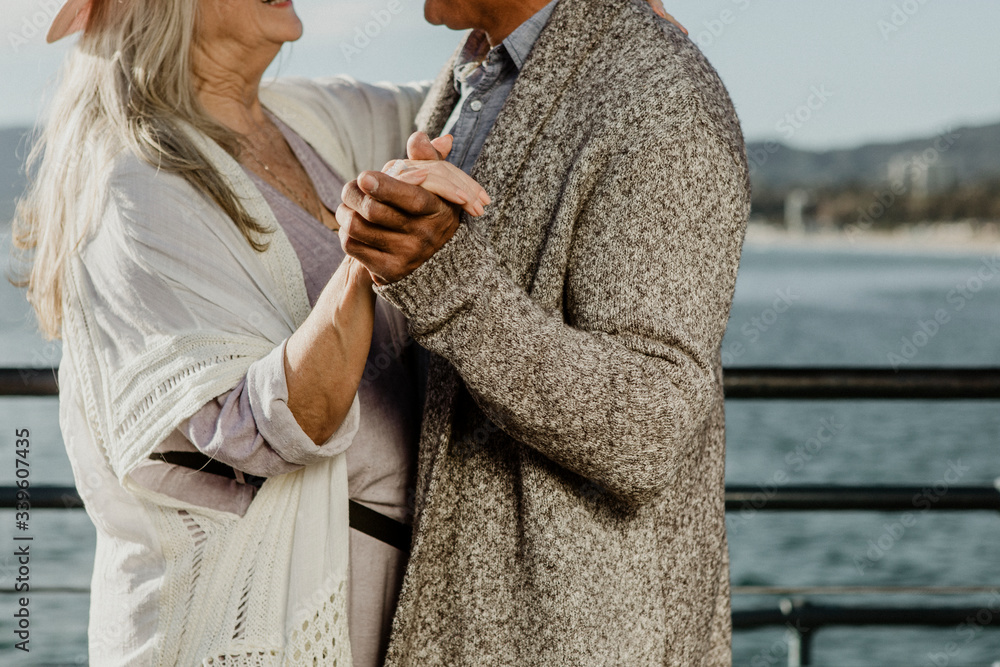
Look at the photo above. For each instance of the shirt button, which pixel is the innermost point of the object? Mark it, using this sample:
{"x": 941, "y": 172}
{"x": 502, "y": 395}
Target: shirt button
{"x": 476, "y": 105}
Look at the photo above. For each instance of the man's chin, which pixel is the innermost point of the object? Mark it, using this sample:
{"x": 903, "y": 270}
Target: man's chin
{"x": 431, "y": 13}
{"x": 436, "y": 13}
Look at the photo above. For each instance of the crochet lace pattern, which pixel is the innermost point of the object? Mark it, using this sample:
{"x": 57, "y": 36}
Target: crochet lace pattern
{"x": 319, "y": 641}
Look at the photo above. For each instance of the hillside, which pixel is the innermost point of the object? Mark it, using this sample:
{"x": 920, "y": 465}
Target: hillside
{"x": 964, "y": 166}
{"x": 963, "y": 156}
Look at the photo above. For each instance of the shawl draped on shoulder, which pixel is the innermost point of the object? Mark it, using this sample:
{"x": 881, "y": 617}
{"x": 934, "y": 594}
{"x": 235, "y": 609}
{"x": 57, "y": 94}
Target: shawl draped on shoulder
{"x": 166, "y": 306}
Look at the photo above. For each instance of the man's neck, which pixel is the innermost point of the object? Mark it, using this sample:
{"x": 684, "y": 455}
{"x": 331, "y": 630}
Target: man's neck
{"x": 506, "y": 18}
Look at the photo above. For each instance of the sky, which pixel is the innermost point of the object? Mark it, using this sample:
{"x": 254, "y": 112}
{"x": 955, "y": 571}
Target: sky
{"x": 812, "y": 74}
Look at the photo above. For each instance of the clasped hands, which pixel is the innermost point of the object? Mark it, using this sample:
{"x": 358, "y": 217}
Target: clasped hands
{"x": 393, "y": 224}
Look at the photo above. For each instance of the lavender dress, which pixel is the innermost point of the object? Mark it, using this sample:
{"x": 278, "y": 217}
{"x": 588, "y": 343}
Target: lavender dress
{"x": 381, "y": 460}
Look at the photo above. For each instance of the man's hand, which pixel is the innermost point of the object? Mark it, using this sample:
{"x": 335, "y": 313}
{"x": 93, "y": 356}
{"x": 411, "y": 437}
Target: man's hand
{"x": 421, "y": 147}
{"x": 393, "y": 227}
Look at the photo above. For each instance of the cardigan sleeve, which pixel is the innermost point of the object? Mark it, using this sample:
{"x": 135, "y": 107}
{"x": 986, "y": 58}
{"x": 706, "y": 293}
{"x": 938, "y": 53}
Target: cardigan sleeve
{"x": 617, "y": 386}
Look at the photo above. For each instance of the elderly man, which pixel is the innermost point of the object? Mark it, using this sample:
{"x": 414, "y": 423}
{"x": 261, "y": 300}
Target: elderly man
{"x": 570, "y": 493}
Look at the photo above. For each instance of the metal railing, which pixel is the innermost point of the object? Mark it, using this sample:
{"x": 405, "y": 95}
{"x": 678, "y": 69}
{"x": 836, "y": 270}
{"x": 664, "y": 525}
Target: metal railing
{"x": 863, "y": 383}
{"x": 806, "y": 498}
{"x": 740, "y": 383}
{"x": 800, "y": 618}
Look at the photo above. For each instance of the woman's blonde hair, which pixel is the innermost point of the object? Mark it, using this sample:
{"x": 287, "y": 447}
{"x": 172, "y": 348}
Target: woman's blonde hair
{"x": 128, "y": 85}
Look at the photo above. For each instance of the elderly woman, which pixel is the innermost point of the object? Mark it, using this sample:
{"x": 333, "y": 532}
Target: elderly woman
{"x": 220, "y": 353}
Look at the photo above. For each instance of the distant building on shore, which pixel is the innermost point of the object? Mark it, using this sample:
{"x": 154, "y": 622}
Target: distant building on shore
{"x": 920, "y": 173}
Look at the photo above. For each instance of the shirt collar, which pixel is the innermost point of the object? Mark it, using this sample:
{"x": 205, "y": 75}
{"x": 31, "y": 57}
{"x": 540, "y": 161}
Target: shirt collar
{"x": 520, "y": 42}
{"x": 517, "y": 45}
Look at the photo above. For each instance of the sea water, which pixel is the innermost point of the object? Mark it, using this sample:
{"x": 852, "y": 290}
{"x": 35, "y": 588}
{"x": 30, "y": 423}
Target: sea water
{"x": 794, "y": 306}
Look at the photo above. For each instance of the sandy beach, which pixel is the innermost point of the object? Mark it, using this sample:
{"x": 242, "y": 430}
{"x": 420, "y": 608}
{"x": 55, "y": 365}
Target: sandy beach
{"x": 960, "y": 238}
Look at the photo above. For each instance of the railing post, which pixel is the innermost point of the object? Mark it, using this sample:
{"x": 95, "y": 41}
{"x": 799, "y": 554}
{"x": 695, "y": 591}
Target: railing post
{"x": 797, "y": 636}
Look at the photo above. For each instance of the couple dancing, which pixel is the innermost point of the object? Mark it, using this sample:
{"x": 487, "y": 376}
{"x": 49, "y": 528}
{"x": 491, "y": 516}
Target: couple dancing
{"x": 236, "y": 285}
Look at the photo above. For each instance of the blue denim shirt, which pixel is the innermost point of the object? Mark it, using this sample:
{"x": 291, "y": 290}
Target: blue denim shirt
{"x": 484, "y": 77}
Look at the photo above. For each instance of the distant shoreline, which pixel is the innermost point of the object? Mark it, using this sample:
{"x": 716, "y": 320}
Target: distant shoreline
{"x": 943, "y": 238}
{"x": 932, "y": 238}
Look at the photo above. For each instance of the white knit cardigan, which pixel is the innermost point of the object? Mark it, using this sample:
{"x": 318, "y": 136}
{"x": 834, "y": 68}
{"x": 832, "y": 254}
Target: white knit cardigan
{"x": 165, "y": 307}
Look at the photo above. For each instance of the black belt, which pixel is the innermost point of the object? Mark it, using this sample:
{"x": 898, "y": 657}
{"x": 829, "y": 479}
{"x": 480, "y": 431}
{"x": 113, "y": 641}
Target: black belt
{"x": 363, "y": 519}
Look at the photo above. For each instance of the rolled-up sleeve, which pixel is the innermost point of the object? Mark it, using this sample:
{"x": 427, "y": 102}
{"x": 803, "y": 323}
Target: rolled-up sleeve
{"x": 252, "y": 429}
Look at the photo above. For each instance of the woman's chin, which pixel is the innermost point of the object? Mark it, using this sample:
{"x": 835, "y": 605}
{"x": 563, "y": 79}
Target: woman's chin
{"x": 287, "y": 31}
{"x": 281, "y": 19}
{"x": 292, "y": 35}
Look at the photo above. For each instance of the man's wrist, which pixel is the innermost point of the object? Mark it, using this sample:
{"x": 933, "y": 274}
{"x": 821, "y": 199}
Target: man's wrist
{"x": 446, "y": 282}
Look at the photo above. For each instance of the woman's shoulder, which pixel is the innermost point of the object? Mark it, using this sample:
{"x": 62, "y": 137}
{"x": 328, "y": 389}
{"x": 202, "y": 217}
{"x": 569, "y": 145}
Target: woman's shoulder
{"x": 153, "y": 225}
{"x": 149, "y": 206}
{"x": 131, "y": 178}
{"x": 136, "y": 188}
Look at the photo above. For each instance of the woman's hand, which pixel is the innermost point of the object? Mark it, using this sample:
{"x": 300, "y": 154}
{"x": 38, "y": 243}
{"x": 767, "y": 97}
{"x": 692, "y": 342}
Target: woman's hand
{"x": 443, "y": 179}
{"x": 662, "y": 13}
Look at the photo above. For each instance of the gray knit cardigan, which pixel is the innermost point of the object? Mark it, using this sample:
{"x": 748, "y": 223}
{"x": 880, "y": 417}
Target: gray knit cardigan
{"x": 570, "y": 486}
